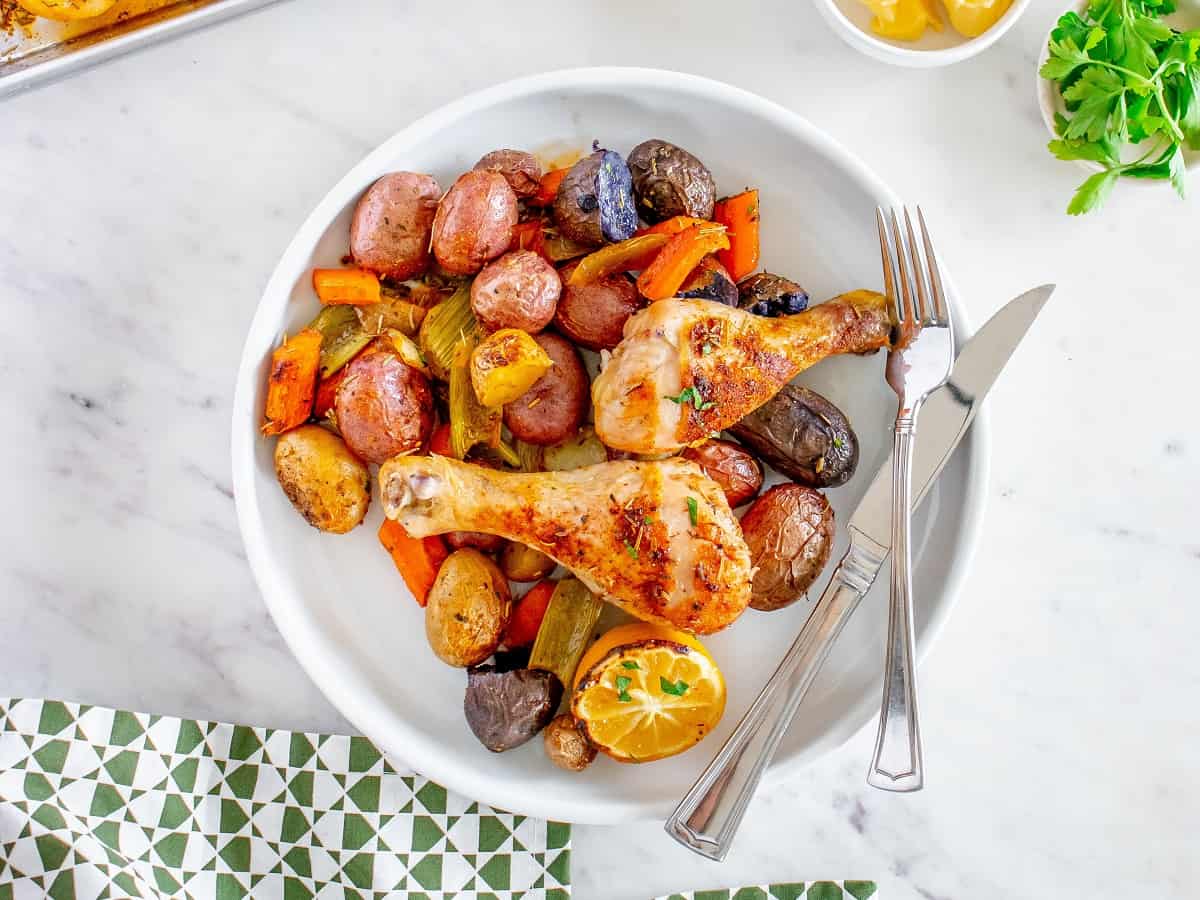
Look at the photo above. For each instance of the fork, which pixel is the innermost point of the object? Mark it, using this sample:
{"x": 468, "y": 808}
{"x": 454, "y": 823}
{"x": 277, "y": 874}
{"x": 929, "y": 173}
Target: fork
{"x": 919, "y": 362}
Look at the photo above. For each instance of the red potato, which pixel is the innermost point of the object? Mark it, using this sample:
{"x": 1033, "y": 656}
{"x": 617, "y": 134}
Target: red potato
{"x": 518, "y": 290}
{"x": 521, "y": 170}
{"x": 594, "y": 315}
{"x": 789, "y": 531}
{"x": 390, "y": 231}
{"x": 484, "y": 543}
{"x": 737, "y": 472}
{"x": 474, "y": 222}
{"x": 553, "y": 409}
{"x": 384, "y": 406}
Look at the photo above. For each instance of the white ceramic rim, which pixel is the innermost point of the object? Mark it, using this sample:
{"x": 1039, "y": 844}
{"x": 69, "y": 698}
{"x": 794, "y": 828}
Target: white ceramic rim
{"x": 346, "y": 690}
{"x": 889, "y": 52}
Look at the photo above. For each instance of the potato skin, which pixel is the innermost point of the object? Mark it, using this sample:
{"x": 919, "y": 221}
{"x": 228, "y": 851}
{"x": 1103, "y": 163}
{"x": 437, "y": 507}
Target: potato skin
{"x": 518, "y": 290}
{"x": 668, "y": 181}
{"x": 474, "y": 222}
{"x": 481, "y": 541}
{"x": 390, "y": 231}
{"x": 553, "y": 409}
{"x": 737, "y": 472}
{"x": 327, "y": 484}
{"x": 565, "y": 744}
{"x": 789, "y": 531}
{"x": 384, "y": 406}
{"x": 521, "y": 170}
{"x": 594, "y": 315}
{"x": 594, "y": 202}
{"x": 524, "y": 564}
{"x": 467, "y": 610}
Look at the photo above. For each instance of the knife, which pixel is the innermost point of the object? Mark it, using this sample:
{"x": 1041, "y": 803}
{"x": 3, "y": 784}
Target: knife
{"x": 708, "y": 817}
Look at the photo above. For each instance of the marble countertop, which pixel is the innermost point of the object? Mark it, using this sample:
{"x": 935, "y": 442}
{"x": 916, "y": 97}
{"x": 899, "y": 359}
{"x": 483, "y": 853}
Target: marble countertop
{"x": 144, "y": 204}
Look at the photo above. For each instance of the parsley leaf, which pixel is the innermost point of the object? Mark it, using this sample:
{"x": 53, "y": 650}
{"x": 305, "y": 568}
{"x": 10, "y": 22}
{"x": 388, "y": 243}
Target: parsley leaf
{"x": 692, "y": 396}
{"x": 1092, "y": 192}
{"x": 631, "y": 550}
{"x": 693, "y": 511}
{"x": 623, "y": 683}
{"x": 677, "y": 689}
{"x": 629, "y": 664}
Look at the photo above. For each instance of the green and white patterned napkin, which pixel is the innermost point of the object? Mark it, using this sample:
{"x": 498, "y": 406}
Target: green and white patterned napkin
{"x": 817, "y": 890}
{"x": 97, "y": 803}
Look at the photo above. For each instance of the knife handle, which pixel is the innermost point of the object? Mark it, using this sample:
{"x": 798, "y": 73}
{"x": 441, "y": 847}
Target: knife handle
{"x": 707, "y": 819}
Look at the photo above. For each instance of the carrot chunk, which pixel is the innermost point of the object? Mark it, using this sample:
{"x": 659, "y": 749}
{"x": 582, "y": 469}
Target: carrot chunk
{"x": 417, "y": 559}
{"x": 292, "y": 382}
{"x": 683, "y": 252}
{"x": 739, "y": 215}
{"x": 355, "y": 287}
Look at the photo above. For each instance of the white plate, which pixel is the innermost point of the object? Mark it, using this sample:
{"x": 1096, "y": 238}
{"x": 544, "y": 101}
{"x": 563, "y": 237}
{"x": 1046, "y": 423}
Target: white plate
{"x": 340, "y": 603}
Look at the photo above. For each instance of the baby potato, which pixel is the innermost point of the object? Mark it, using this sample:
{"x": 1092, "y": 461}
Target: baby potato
{"x": 474, "y": 222}
{"x": 67, "y": 10}
{"x": 468, "y": 609}
{"x": 518, "y": 290}
{"x": 389, "y": 233}
{"x": 737, "y": 472}
{"x": 520, "y": 169}
{"x": 384, "y": 406}
{"x": 553, "y": 409}
{"x": 593, "y": 315}
{"x": 505, "y": 365}
{"x": 327, "y": 484}
{"x": 522, "y": 563}
{"x": 789, "y": 531}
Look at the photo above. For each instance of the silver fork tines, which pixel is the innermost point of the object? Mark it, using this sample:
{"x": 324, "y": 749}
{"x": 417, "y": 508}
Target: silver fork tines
{"x": 919, "y": 362}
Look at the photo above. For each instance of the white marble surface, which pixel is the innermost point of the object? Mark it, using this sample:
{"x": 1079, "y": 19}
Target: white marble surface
{"x": 143, "y": 205}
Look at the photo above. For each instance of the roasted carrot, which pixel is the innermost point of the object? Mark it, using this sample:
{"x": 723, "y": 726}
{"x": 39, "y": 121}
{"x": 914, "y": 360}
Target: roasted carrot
{"x": 439, "y": 441}
{"x": 528, "y": 613}
{"x": 292, "y": 382}
{"x": 548, "y": 187}
{"x": 528, "y": 235}
{"x": 664, "y": 276}
{"x": 356, "y": 287}
{"x": 673, "y": 225}
{"x": 632, "y": 254}
{"x": 327, "y": 393}
{"x": 418, "y": 559}
{"x": 739, "y": 215}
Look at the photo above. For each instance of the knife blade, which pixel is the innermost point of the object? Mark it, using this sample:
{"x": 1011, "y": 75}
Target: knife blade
{"x": 707, "y": 818}
{"x": 948, "y": 412}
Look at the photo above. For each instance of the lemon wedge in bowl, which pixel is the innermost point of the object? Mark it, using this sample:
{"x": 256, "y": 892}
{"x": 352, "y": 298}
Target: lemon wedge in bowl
{"x": 644, "y": 692}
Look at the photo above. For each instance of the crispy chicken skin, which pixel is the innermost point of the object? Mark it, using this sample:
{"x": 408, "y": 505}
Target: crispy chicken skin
{"x": 624, "y": 528}
{"x": 732, "y": 362}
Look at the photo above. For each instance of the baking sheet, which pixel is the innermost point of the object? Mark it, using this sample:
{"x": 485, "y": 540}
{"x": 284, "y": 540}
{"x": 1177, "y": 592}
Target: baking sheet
{"x": 35, "y": 50}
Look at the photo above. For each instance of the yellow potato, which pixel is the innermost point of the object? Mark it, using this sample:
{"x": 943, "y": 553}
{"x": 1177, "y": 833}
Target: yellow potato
{"x": 326, "y": 483}
{"x": 67, "y": 10}
{"x": 467, "y": 609}
{"x": 505, "y": 365}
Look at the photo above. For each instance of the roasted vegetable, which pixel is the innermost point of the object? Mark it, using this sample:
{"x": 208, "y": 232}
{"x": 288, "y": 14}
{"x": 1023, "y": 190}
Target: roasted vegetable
{"x": 739, "y": 215}
{"x": 548, "y": 186}
{"x": 384, "y": 406}
{"x": 292, "y": 382}
{"x": 505, "y": 365}
{"x": 417, "y": 559}
{"x": 474, "y": 222}
{"x": 67, "y": 10}
{"x": 789, "y": 531}
{"x": 770, "y": 295}
{"x": 392, "y": 222}
{"x": 356, "y": 287}
{"x": 527, "y": 615}
{"x": 468, "y": 609}
{"x": 668, "y": 181}
{"x": 594, "y": 202}
{"x": 471, "y": 422}
{"x": 530, "y": 235}
{"x": 736, "y": 471}
{"x": 521, "y": 562}
{"x": 342, "y": 337}
{"x": 518, "y": 290}
{"x": 566, "y": 746}
{"x": 553, "y": 409}
{"x": 560, "y": 249}
{"x": 630, "y": 255}
{"x": 392, "y": 313}
{"x": 579, "y": 450}
{"x": 521, "y": 170}
{"x": 407, "y": 350}
{"x": 593, "y": 315}
{"x": 326, "y": 483}
{"x": 566, "y": 629}
{"x": 445, "y": 328}
{"x": 710, "y": 281}
{"x": 674, "y": 225}
{"x": 682, "y": 253}
{"x": 506, "y": 709}
{"x": 803, "y": 436}
{"x": 484, "y": 543}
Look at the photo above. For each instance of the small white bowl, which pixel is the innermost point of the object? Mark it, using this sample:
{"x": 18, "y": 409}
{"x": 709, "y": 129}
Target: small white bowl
{"x": 851, "y": 20}
{"x": 1050, "y": 101}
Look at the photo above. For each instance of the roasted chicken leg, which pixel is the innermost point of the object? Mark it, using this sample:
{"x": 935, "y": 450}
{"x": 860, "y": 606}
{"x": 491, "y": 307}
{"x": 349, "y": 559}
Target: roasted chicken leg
{"x": 688, "y": 368}
{"x": 626, "y": 529}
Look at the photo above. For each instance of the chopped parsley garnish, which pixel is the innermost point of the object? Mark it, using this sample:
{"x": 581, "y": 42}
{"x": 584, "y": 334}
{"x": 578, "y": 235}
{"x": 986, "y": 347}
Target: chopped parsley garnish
{"x": 631, "y": 550}
{"x": 692, "y": 396}
{"x": 623, "y": 683}
{"x": 706, "y": 349}
{"x": 646, "y": 520}
{"x": 630, "y": 664}
{"x": 838, "y": 442}
{"x": 677, "y": 689}
{"x": 693, "y": 511}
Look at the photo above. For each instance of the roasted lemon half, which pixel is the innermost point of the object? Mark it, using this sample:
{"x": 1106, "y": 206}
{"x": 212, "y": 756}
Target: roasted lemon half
{"x": 67, "y": 10}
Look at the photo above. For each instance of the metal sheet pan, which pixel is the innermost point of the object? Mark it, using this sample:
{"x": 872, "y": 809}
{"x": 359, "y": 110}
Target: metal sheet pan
{"x": 34, "y": 51}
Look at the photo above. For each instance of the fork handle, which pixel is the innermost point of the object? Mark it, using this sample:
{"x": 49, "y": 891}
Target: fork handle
{"x": 707, "y": 819}
{"x": 896, "y": 764}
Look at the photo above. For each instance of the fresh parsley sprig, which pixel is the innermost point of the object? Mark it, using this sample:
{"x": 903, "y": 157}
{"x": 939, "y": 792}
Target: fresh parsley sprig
{"x": 1126, "y": 77}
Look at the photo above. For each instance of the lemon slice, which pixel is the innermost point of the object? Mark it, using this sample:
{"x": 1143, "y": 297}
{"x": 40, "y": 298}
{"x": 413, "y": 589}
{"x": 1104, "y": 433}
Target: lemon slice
{"x": 645, "y": 692}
